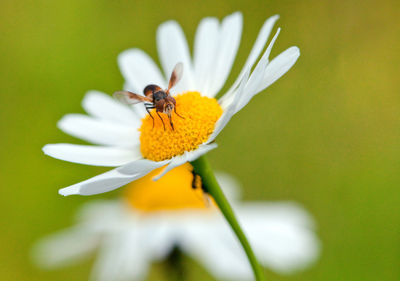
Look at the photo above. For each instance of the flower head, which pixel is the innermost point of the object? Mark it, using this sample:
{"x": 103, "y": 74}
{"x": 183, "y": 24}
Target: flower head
{"x": 125, "y": 137}
{"x": 154, "y": 217}
{"x": 200, "y": 115}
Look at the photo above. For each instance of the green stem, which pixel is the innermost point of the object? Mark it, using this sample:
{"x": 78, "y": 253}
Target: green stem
{"x": 203, "y": 169}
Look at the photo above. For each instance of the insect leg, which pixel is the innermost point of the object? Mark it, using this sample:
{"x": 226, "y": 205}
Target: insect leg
{"x": 170, "y": 121}
{"x": 148, "y": 111}
{"x": 178, "y": 114}
{"x": 161, "y": 119}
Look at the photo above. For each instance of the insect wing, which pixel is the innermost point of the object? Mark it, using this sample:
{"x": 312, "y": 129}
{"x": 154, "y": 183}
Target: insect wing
{"x": 130, "y": 98}
{"x": 176, "y": 75}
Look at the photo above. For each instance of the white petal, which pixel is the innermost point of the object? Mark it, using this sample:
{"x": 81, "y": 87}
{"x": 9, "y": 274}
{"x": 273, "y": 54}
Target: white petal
{"x": 104, "y": 216}
{"x": 230, "y": 186}
{"x": 139, "y": 70}
{"x": 205, "y": 54}
{"x": 99, "y": 184}
{"x": 99, "y": 131}
{"x": 255, "y": 51}
{"x": 160, "y": 234}
{"x": 141, "y": 166}
{"x": 92, "y": 155}
{"x": 280, "y": 234}
{"x": 112, "y": 179}
{"x": 65, "y": 248}
{"x": 140, "y": 110}
{"x": 252, "y": 83}
{"x": 123, "y": 256}
{"x": 173, "y": 48}
{"x": 259, "y": 44}
{"x": 188, "y": 156}
{"x": 263, "y": 75}
{"x": 229, "y": 40}
{"x": 175, "y": 162}
{"x": 212, "y": 243}
{"x": 230, "y": 108}
{"x": 136, "y": 258}
{"x": 256, "y": 77}
{"x": 287, "y": 211}
{"x": 107, "y": 260}
{"x": 279, "y": 66}
{"x": 104, "y": 107}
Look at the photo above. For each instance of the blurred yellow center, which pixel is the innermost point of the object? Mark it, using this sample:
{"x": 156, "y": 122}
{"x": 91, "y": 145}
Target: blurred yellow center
{"x": 175, "y": 190}
{"x": 199, "y": 116}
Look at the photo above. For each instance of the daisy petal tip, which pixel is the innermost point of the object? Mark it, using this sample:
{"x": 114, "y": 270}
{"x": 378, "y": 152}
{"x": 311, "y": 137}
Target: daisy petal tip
{"x": 168, "y": 24}
{"x": 269, "y": 23}
{"x": 67, "y": 191}
{"x": 122, "y": 56}
{"x": 162, "y": 173}
{"x": 296, "y": 50}
{"x": 92, "y": 93}
{"x": 212, "y": 145}
{"x": 62, "y": 193}
{"x": 288, "y": 57}
{"x": 62, "y": 124}
{"x": 126, "y": 54}
{"x": 234, "y": 17}
{"x": 47, "y": 149}
{"x": 275, "y": 17}
{"x": 90, "y": 96}
{"x": 236, "y": 14}
{"x": 293, "y": 53}
{"x": 159, "y": 176}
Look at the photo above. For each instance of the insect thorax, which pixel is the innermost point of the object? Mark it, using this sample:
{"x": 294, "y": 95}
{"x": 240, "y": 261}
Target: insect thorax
{"x": 159, "y": 95}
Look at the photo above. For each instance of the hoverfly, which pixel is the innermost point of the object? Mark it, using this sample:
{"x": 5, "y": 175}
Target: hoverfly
{"x": 155, "y": 97}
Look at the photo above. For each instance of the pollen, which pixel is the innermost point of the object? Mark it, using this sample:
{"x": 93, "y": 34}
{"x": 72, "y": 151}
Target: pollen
{"x": 198, "y": 117}
{"x": 178, "y": 189}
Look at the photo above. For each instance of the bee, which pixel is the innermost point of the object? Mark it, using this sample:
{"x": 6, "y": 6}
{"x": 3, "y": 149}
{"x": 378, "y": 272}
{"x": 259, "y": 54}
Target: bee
{"x": 155, "y": 97}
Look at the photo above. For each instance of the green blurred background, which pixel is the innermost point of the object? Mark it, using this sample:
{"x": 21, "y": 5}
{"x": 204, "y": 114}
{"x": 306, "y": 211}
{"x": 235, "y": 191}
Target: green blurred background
{"x": 326, "y": 135}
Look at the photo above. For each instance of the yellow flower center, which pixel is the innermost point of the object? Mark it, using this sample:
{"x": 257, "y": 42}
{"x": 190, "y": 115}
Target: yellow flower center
{"x": 175, "y": 190}
{"x": 199, "y": 116}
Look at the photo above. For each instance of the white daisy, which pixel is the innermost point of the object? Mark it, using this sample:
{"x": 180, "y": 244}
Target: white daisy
{"x": 124, "y": 136}
{"x": 155, "y": 217}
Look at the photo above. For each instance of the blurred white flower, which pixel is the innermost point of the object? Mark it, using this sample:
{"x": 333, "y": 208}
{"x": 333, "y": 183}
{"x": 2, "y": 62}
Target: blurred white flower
{"x": 155, "y": 217}
{"x": 124, "y": 136}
